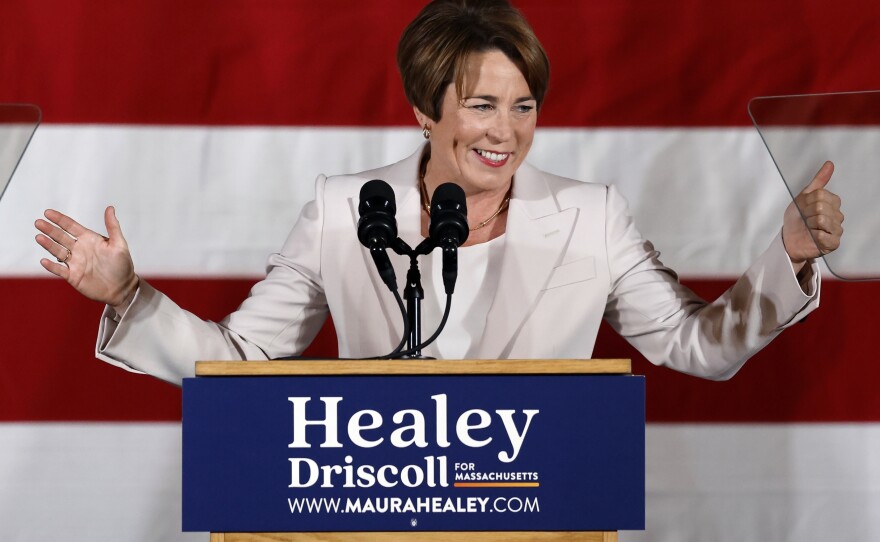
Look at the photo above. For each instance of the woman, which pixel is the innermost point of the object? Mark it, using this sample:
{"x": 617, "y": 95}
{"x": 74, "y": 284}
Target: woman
{"x": 546, "y": 259}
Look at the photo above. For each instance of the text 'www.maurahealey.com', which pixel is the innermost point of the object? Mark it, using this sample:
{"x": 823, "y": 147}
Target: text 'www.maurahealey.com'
{"x": 424, "y": 505}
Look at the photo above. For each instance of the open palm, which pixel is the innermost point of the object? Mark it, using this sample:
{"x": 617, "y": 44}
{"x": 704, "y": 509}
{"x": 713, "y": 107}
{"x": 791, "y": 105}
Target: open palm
{"x": 98, "y": 267}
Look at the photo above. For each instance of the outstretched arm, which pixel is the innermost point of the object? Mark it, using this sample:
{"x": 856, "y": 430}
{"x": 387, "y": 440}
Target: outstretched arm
{"x": 672, "y": 326}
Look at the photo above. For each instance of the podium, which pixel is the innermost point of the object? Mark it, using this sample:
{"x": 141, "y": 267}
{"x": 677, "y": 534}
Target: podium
{"x": 415, "y": 450}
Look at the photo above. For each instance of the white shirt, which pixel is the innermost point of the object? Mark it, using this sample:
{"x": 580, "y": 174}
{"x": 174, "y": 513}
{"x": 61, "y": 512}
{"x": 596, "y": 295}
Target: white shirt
{"x": 478, "y": 271}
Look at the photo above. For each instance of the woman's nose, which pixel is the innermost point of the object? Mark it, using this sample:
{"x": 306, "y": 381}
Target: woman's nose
{"x": 500, "y": 128}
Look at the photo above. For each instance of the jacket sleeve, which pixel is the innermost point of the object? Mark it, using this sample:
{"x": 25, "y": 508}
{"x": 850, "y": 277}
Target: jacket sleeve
{"x": 672, "y": 326}
{"x": 280, "y": 317}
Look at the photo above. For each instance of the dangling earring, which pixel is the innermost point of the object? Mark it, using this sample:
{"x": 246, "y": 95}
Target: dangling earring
{"x": 426, "y": 131}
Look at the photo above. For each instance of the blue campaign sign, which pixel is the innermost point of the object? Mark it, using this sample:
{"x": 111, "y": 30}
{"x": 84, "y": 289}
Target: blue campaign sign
{"x": 414, "y": 453}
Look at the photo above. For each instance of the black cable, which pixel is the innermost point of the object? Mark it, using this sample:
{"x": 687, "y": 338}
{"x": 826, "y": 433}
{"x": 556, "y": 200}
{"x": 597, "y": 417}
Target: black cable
{"x": 397, "y": 350}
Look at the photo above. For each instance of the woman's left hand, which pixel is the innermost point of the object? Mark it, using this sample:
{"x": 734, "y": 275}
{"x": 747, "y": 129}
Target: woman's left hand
{"x": 818, "y": 232}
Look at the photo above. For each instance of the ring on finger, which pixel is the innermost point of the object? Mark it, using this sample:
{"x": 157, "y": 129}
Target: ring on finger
{"x": 69, "y": 253}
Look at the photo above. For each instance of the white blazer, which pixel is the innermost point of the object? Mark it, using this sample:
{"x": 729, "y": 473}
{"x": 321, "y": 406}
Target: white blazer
{"x": 572, "y": 256}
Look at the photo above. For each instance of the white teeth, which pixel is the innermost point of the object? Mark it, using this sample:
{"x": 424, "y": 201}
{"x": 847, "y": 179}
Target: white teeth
{"x": 493, "y": 156}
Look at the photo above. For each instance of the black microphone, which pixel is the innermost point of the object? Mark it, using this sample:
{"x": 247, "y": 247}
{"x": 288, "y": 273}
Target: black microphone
{"x": 449, "y": 228}
{"x": 377, "y": 227}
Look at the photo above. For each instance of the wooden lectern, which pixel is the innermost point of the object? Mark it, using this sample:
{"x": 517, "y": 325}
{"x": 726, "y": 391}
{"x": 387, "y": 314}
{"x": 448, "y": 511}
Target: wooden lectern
{"x": 525, "y": 372}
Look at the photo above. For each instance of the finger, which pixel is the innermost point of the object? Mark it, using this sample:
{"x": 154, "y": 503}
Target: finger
{"x": 824, "y": 219}
{"x": 820, "y": 201}
{"x": 57, "y": 269}
{"x": 824, "y": 223}
{"x": 835, "y": 199}
{"x": 829, "y": 200}
{"x": 114, "y": 229}
{"x": 821, "y": 179}
{"x": 66, "y": 223}
{"x": 821, "y": 194}
{"x": 831, "y": 224}
{"x": 60, "y": 252}
{"x": 825, "y": 205}
{"x": 826, "y": 242}
{"x": 55, "y": 233}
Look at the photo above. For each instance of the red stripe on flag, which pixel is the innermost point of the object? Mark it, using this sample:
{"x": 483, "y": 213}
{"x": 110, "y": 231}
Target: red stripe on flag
{"x": 846, "y": 109}
{"x": 806, "y": 375}
{"x": 48, "y": 340}
{"x": 262, "y": 62}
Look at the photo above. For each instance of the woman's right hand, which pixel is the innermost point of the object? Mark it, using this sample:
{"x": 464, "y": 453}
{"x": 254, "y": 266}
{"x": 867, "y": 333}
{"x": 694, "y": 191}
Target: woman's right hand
{"x": 98, "y": 267}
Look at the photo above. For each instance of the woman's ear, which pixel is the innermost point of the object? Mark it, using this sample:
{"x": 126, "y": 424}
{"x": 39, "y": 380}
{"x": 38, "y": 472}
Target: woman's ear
{"x": 422, "y": 118}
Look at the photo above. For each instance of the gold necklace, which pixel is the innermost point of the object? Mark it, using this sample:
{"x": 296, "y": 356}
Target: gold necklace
{"x": 427, "y": 207}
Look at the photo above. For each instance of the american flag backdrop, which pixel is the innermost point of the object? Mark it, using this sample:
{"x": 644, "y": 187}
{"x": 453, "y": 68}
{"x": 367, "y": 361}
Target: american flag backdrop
{"x": 206, "y": 122}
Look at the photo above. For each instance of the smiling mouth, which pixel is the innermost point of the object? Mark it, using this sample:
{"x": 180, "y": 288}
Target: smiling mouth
{"x": 495, "y": 159}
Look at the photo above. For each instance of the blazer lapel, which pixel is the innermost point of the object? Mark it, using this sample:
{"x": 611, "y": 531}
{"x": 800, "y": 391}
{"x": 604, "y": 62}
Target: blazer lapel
{"x": 535, "y": 240}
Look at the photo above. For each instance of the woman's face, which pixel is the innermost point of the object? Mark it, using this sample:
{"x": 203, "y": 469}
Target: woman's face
{"x": 483, "y": 136}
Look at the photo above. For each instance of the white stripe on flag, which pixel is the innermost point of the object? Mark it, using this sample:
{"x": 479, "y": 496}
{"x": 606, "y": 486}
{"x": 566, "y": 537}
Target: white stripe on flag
{"x": 208, "y": 201}
{"x": 780, "y": 482}
{"x": 91, "y": 482}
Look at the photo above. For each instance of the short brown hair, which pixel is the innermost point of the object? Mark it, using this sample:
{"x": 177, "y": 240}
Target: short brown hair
{"x": 434, "y": 48}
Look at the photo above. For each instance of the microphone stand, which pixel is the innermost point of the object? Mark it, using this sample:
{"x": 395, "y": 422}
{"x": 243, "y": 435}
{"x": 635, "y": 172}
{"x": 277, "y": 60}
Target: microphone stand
{"x": 413, "y": 293}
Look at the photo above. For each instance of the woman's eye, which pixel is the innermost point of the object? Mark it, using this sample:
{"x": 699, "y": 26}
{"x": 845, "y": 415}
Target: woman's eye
{"x": 482, "y": 107}
{"x": 525, "y": 109}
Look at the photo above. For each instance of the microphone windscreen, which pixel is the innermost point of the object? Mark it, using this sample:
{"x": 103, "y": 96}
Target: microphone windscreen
{"x": 377, "y": 195}
{"x": 451, "y": 193}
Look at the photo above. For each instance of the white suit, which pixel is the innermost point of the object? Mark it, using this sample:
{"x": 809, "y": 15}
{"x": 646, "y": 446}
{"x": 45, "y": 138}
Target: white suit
{"x": 572, "y": 256}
